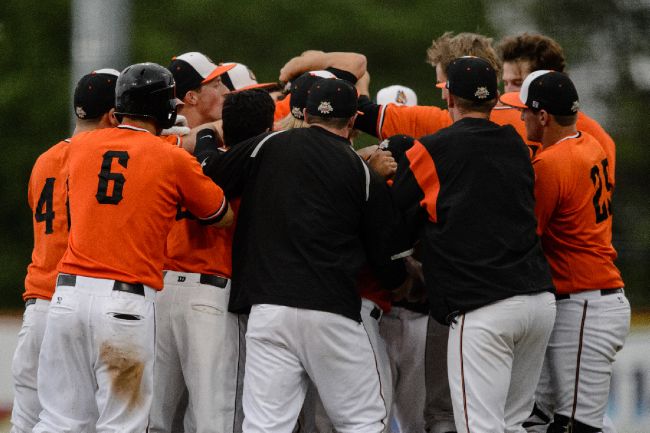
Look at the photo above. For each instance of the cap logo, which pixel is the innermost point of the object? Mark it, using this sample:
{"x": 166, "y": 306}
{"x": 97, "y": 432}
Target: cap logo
{"x": 535, "y": 104}
{"x": 80, "y": 112}
{"x": 383, "y": 145}
{"x": 482, "y": 93}
{"x": 400, "y": 98}
{"x": 296, "y": 112}
{"x": 325, "y": 107}
{"x": 575, "y": 106}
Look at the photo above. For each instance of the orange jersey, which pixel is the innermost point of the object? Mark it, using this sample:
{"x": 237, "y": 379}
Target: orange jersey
{"x": 573, "y": 208}
{"x": 124, "y": 187}
{"x": 193, "y": 247}
{"x": 282, "y": 108}
{"x": 591, "y": 127}
{"x": 47, "y": 198}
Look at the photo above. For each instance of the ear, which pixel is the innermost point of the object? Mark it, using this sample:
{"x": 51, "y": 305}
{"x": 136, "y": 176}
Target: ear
{"x": 109, "y": 118}
{"x": 191, "y": 97}
{"x": 351, "y": 121}
{"x": 451, "y": 102}
{"x": 544, "y": 117}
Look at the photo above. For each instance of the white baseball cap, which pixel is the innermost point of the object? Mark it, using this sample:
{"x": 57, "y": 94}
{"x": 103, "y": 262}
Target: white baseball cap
{"x": 240, "y": 77}
{"x": 397, "y": 94}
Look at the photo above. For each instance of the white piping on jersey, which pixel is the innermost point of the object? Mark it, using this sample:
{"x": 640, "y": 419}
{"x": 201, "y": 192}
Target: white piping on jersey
{"x": 264, "y": 140}
{"x": 380, "y": 124}
{"x": 366, "y": 172}
{"x": 576, "y": 135}
{"x": 402, "y": 254}
{"x": 68, "y": 140}
{"x": 133, "y": 128}
{"x": 224, "y": 203}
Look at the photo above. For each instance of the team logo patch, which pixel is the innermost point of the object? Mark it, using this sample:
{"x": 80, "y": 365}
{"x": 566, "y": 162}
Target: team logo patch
{"x": 575, "y": 106}
{"x": 296, "y": 112}
{"x": 482, "y": 93}
{"x": 384, "y": 144}
{"x": 80, "y": 112}
{"x": 535, "y": 104}
{"x": 401, "y": 97}
{"x": 325, "y": 107}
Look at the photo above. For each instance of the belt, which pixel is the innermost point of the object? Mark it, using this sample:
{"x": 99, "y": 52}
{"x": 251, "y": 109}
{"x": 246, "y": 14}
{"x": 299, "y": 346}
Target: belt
{"x": 29, "y": 302}
{"x": 119, "y": 286}
{"x": 603, "y": 292}
{"x": 214, "y": 280}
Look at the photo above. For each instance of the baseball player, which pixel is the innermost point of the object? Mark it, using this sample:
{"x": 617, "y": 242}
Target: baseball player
{"x": 574, "y": 216}
{"x": 121, "y": 208}
{"x": 483, "y": 264}
{"x": 296, "y": 252}
{"x": 94, "y": 101}
{"x": 197, "y": 340}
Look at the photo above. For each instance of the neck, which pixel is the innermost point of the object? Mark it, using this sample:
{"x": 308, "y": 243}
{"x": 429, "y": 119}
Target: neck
{"x": 194, "y": 118}
{"x": 456, "y": 114}
{"x": 83, "y": 126}
{"x": 344, "y": 132}
{"x": 141, "y": 123}
{"x": 557, "y": 133}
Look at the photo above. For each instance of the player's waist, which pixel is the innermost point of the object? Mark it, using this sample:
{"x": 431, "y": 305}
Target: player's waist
{"x": 96, "y": 285}
{"x": 589, "y": 294}
{"x": 175, "y": 277}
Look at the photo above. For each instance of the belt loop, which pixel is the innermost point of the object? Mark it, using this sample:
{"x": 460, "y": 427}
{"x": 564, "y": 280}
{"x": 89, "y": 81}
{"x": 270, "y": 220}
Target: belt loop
{"x": 29, "y": 302}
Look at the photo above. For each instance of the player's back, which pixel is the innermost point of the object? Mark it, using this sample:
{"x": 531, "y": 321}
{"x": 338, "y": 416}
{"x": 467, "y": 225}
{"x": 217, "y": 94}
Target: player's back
{"x": 124, "y": 186}
{"x": 47, "y": 198}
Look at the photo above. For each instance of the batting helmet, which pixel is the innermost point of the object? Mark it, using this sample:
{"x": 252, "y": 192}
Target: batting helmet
{"x": 146, "y": 90}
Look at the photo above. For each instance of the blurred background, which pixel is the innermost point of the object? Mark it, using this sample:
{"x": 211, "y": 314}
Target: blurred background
{"x": 47, "y": 45}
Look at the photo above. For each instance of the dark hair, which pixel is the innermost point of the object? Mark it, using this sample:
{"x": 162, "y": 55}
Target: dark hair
{"x": 246, "y": 114}
{"x": 541, "y": 51}
{"x": 562, "y": 120}
{"x": 466, "y": 105}
{"x": 332, "y": 122}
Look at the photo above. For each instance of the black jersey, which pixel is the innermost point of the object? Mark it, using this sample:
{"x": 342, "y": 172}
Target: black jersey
{"x": 474, "y": 182}
{"x": 311, "y": 214}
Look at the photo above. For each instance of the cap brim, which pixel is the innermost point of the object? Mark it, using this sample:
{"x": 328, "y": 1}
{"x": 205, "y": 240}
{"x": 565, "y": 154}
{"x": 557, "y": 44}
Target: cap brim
{"x": 221, "y": 69}
{"x": 441, "y": 85}
{"x": 512, "y": 99}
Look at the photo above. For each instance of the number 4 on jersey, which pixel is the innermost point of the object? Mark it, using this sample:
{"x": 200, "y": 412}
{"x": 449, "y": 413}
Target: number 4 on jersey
{"x": 602, "y": 196}
{"x": 44, "y": 209}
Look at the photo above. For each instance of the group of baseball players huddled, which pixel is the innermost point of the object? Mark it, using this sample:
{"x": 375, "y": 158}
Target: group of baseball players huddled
{"x": 212, "y": 255}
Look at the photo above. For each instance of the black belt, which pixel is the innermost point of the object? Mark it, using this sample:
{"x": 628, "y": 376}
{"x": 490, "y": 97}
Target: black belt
{"x": 214, "y": 280}
{"x": 71, "y": 280}
{"x": 603, "y": 292}
{"x": 29, "y": 302}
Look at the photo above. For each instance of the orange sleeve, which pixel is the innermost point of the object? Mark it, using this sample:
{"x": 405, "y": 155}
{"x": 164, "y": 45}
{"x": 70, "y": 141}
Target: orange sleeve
{"x": 591, "y": 127}
{"x": 199, "y": 194}
{"x": 547, "y": 192}
{"x": 282, "y": 108}
{"x": 425, "y": 173}
{"x": 415, "y": 121}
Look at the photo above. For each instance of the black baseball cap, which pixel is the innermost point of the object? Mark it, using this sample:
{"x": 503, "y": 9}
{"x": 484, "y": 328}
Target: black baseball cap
{"x": 95, "y": 93}
{"x": 471, "y": 78}
{"x": 397, "y": 145}
{"x": 300, "y": 89}
{"x": 333, "y": 98}
{"x": 191, "y": 70}
{"x": 546, "y": 90}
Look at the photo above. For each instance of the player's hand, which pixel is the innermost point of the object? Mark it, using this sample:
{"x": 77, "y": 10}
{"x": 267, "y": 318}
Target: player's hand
{"x": 383, "y": 163}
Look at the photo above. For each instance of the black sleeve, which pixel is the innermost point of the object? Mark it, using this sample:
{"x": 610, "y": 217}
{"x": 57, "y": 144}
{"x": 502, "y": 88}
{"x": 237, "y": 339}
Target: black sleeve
{"x": 230, "y": 170}
{"x": 407, "y": 195}
{"x": 367, "y": 122}
{"x": 381, "y": 227}
{"x": 343, "y": 74}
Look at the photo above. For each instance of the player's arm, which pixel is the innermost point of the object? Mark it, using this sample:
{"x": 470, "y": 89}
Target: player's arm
{"x": 312, "y": 60}
{"x": 547, "y": 192}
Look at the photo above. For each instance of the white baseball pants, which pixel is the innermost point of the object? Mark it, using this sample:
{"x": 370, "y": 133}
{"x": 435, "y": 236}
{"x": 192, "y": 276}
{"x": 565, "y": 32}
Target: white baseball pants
{"x": 197, "y": 346}
{"x": 24, "y": 367}
{"x": 96, "y": 361}
{"x": 495, "y": 356}
{"x": 589, "y": 330}
{"x": 438, "y": 410}
{"x": 286, "y": 345}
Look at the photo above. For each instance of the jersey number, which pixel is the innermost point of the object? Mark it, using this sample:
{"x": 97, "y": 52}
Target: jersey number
{"x": 600, "y": 178}
{"x": 105, "y": 176}
{"x": 45, "y": 201}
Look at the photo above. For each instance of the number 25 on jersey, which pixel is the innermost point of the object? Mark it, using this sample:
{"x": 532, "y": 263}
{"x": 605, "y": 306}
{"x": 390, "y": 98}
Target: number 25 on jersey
{"x": 603, "y": 191}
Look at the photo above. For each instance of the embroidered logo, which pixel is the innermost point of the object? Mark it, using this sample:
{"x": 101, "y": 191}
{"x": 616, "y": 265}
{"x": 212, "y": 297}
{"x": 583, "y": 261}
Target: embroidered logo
{"x": 575, "y": 106}
{"x": 482, "y": 93}
{"x": 325, "y": 107}
{"x": 401, "y": 97}
{"x": 181, "y": 279}
{"x": 80, "y": 112}
{"x": 535, "y": 104}
{"x": 296, "y": 112}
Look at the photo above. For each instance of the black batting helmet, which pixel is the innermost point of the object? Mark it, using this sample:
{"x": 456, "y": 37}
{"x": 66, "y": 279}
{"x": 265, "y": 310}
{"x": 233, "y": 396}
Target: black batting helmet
{"x": 146, "y": 90}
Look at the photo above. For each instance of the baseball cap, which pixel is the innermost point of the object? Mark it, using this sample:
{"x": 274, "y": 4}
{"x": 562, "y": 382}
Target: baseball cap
{"x": 240, "y": 77}
{"x": 472, "y": 78}
{"x": 548, "y": 90}
{"x": 397, "y": 145}
{"x": 300, "y": 89}
{"x": 95, "y": 93}
{"x": 397, "y": 94}
{"x": 191, "y": 70}
{"x": 333, "y": 98}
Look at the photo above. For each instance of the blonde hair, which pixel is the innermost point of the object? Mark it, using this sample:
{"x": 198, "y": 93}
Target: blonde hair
{"x": 449, "y": 47}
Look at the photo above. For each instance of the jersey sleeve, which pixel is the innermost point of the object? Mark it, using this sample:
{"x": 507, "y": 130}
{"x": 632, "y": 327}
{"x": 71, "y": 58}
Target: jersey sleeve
{"x": 547, "y": 192}
{"x": 199, "y": 194}
{"x": 416, "y": 121}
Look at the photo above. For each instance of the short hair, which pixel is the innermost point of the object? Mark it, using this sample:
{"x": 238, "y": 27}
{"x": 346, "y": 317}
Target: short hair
{"x": 332, "y": 122}
{"x": 564, "y": 120}
{"x": 540, "y": 51}
{"x": 449, "y": 47}
{"x": 246, "y": 114}
{"x": 467, "y": 105}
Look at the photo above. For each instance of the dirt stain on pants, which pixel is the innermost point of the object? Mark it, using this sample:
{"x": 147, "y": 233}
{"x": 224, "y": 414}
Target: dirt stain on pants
{"x": 126, "y": 370}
